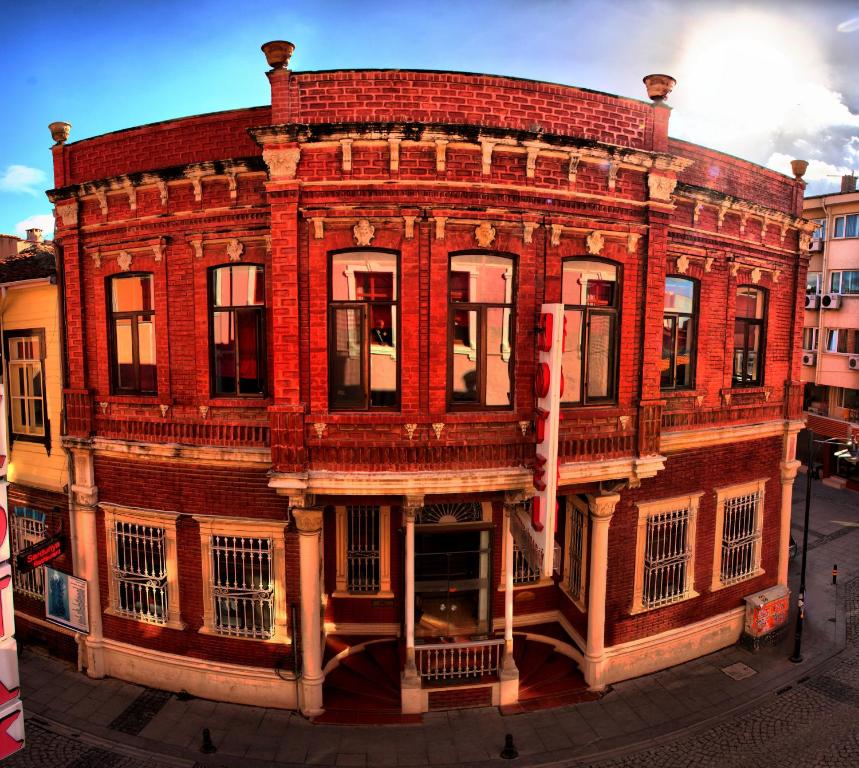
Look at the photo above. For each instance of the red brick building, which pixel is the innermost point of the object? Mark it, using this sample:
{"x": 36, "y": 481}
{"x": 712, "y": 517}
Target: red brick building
{"x": 302, "y": 357}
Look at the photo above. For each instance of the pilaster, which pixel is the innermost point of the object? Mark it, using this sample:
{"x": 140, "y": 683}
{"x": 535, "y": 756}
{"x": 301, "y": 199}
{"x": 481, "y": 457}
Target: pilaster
{"x": 308, "y": 522}
{"x": 411, "y": 700}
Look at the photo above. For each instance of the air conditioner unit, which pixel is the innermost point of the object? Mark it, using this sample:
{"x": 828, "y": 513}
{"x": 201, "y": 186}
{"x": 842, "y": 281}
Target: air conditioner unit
{"x": 812, "y": 301}
{"x": 830, "y": 301}
{"x": 816, "y": 245}
{"x": 853, "y": 362}
{"x": 809, "y": 358}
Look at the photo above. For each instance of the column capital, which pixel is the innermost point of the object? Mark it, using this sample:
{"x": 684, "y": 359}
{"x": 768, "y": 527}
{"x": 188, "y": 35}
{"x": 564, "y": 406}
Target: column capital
{"x": 308, "y": 521}
{"x": 602, "y": 507}
{"x": 411, "y": 505}
{"x": 788, "y": 471}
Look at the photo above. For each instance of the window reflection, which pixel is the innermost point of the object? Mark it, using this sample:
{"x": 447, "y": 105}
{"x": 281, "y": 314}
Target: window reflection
{"x": 363, "y": 347}
{"x": 132, "y": 304}
{"x": 749, "y": 333}
{"x": 678, "y": 333}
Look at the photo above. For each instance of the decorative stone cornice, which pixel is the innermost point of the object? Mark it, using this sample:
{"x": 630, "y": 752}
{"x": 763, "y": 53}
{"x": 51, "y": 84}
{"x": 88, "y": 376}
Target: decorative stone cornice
{"x": 68, "y": 213}
{"x": 660, "y": 187}
{"x": 126, "y": 252}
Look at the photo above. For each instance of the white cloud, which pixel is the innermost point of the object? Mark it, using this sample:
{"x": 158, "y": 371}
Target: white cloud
{"x": 741, "y": 89}
{"x": 818, "y": 170}
{"x": 23, "y": 178}
{"x": 43, "y": 221}
{"x": 851, "y": 25}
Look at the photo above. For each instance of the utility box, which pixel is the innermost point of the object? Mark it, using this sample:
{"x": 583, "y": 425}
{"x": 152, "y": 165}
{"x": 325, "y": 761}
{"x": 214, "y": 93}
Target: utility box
{"x": 766, "y": 617}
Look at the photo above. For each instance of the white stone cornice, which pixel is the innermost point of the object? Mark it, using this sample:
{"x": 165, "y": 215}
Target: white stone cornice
{"x": 68, "y": 213}
{"x": 282, "y": 161}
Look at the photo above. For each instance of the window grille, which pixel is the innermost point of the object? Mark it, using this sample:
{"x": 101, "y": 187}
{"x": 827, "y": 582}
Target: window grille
{"x": 666, "y": 558}
{"x": 27, "y": 527}
{"x": 242, "y": 586}
{"x": 739, "y": 537}
{"x": 140, "y": 572}
{"x": 362, "y": 553}
{"x": 577, "y": 534}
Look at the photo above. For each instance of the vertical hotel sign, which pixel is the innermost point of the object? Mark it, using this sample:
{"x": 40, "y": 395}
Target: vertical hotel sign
{"x": 548, "y": 386}
{"x": 11, "y": 709}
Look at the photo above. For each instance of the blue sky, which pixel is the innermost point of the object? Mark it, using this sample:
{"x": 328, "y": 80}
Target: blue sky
{"x": 768, "y": 81}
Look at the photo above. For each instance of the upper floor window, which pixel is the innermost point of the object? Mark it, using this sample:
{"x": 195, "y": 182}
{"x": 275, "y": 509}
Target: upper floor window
{"x": 132, "y": 328}
{"x": 844, "y": 282}
{"x": 820, "y": 232}
{"x": 847, "y": 226}
{"x": 842, "y": 340}
{"x": 363, "y": 330}
{"x": 589, "y": 291}
{"x": 480, "y": 331}
{"x": 749, "y": 336}
{"x": 677, "y": 368}
{"x": 809, "y": 339}
{"x": 237, "y": 305}
{"x": 812, "y": 283}
{"x": 25, "y": 359}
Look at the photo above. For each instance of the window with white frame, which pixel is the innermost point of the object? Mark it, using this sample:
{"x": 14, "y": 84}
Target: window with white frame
{"x": 243, "y": 578}
{"x": 809, "y": 339}
{"x": 846, "y": 226}
{"x": 820, "y": 230}
{"x": 25, "y": 358}
{"x": 813, "y": 283}
{"x": 739, "y": 522}
{"x": 576, "y": 534}
{"x": 844, "y": 282}
{"x": 143, "y": 569}
{"x": 665, "y": 549}
{"x": 27, "y": 527}
{"x": 363, "y": 552}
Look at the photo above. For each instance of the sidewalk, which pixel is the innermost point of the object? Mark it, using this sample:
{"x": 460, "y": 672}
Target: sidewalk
{"x": 632, "y": 715}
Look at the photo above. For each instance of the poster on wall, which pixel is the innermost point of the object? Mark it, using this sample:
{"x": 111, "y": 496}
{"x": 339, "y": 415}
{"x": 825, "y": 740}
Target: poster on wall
{"x": 66, "y": 600}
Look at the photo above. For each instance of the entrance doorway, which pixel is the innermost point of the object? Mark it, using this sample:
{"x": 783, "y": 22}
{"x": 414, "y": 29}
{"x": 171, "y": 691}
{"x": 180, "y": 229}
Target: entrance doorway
{"x": 452, "y": 567}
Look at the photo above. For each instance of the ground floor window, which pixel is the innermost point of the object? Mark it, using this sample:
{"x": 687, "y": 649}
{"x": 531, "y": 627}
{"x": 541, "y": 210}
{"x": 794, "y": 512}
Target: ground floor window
{"x": 363, "y": 550}
{"x": 665, "y": 546}
{"x": 143, "y": 569}
{"x": 243, "y": 578}
{"x": 576, "y": 543}
{"x": 27, "y": 527}
{"x": 739, "y": 521}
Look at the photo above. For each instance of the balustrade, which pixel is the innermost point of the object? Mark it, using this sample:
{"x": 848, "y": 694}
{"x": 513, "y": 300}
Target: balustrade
{"x": 439, "y": 662}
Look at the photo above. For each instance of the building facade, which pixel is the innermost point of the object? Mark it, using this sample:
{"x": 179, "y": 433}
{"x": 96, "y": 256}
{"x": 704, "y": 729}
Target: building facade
{"x": 37, "y": 470}
{"x": 830, "y": 333}
{"x": 413, "y": 390}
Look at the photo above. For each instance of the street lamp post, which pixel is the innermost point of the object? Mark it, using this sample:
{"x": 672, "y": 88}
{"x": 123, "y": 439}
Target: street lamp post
{"x": 796, "y": 658}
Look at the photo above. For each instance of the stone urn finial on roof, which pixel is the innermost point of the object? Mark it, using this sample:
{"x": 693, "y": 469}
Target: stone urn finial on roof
{"x": 277, "y": 53}
{"x": 659, "y": 86}
{"x": 798, "y": 167}
{"x": 60, "y": 131}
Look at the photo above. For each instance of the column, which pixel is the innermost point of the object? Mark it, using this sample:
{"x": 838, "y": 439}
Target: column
{"x": 84, "y": 542}
{"x": 788, "y": 475}
{"x": 410, "y": 687}
{"x": 509, "y": 673}
{"x": 601, "y": 511}
{"x": 309, "y": 525}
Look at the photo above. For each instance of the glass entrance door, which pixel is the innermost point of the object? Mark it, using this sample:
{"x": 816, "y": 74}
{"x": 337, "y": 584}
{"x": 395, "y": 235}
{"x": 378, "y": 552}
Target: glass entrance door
{"x": 451, "y": 581}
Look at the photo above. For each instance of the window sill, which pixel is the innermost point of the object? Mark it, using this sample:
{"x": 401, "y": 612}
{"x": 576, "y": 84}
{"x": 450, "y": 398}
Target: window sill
{"x": 180, "y": 625}
{"x": 679, "y": 394}
{"x": 131, "y": 398}
{"x": 579, "y": 604}
{"x": 385, "y": 595}
{"x": 717, "y": 585}
{"x": 639, "y": 609}
{"x": 204, "y": 630}
{"x": 239, "y": 402}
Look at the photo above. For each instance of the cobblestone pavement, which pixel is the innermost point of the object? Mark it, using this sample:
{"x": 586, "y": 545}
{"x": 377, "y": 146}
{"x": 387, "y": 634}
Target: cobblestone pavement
{"x": 814, "y": 724}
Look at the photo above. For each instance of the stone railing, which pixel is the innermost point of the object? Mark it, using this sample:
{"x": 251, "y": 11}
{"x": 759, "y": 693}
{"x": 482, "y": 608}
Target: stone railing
{"x": 445, "y": 662}
{"x": 237, "y": 434}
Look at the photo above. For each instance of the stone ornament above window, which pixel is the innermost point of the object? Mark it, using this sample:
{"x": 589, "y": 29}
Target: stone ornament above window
{"x": 364, "y": 232}
{"x": 484, "y": 233}
{"x": 660, "y": 187}
{"x": 124, "y": 261}
{"x": 444, "y": 514}
{"x": 595, "y": 243}
{"x": 282, "y": 162}
{"x": 235, "y": 249}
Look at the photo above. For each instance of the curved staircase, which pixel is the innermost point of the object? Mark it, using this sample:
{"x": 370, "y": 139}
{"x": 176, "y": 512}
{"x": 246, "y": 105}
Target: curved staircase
{"x": 547, "y": 678}
{"x": 364, "y": 688}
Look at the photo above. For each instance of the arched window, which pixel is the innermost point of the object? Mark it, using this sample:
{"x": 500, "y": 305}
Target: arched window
{"x": 749, "y": 336}
{"x": 589, "y": 290}
{"x": 237, "y": 311}
{"x": 132, "y": 332}
{"x": 363, "y": 332}
{"x": 480, "y": 331}
{"x": 679, "y": 331}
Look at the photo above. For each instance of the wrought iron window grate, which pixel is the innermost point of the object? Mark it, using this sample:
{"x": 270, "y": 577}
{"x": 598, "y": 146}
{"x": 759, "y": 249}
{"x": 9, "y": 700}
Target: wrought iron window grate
{"x": 666, "y": 558}
{"x": 140, "y": 572}
{"x": 242, "y": 586}
{"x": 362, "y": 552}
{"x": 739, "y": 537}
{"x": 27, "y": 527}
{"x": 577, "y": 533}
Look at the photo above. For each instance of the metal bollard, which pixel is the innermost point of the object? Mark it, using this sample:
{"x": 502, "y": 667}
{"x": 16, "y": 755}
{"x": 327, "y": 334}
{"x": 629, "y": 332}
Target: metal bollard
{"x": 509, "y": 752}
{"x": 207, "y": 747}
